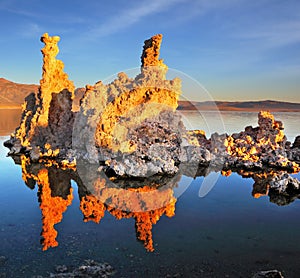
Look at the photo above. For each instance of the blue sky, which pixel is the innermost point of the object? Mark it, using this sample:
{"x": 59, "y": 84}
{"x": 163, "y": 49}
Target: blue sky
{"x": 237, "y": 49}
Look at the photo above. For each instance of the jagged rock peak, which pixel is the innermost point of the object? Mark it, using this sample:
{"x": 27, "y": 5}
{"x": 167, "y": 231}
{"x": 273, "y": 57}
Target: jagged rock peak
{"x": 54, "y": 79}
{"x": 150, "y": 55}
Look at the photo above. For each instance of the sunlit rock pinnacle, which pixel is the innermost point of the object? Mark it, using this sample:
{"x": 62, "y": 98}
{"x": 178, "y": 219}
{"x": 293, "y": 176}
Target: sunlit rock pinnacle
{"x": 54, "y": 79}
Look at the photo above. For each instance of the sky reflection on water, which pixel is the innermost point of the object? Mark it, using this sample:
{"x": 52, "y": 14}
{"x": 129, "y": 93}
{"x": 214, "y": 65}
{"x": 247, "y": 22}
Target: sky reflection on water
{"x": 228, "y": 232}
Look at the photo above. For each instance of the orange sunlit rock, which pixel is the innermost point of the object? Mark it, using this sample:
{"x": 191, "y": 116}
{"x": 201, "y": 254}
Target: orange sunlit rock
{"x": 131, "y": 125}
{"x": 54, "y": 79}
{"x": 258, "y": 195}
{"x": 150, "y": 56}
{"x": 147, "y": 95}
{"x": 122, "y": 105}
{"x": 47, "y": 118}
{"x": 262, "y": 145}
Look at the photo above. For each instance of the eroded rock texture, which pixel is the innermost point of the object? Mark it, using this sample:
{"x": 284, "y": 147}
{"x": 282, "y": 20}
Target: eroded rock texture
{"x": 264, "y": 145}
{"x": 47, "y": 120}
{"x": 131, "y": 126}
{"x": 54, "y": 79}
{"x": 116, "y": 120}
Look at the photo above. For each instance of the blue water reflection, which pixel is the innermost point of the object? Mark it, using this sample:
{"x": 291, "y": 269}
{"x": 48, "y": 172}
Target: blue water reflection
{"x": 227, "y": 232}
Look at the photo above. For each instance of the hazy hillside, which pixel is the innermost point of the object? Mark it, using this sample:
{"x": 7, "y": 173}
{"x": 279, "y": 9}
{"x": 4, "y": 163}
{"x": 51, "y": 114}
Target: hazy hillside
{"x": 13, "y": 94}
{"x": 241, "y": 106}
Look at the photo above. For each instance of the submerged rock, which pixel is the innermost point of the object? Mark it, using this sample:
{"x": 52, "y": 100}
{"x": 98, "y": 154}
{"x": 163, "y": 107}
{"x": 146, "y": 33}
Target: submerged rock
{"x": 3, "y": 260}
{"x": 88, "y": 269}
{"x": 268, "y": 274}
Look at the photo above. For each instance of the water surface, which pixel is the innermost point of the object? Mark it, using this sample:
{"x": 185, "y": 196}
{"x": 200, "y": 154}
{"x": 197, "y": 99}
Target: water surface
{"x": 9, "y": 120}
{"x": 227, "y": 233}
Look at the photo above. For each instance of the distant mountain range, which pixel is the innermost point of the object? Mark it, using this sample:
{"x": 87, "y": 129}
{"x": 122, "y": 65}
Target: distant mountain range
{"x": 271, "y": 105}
{"x": 12, "y": 96}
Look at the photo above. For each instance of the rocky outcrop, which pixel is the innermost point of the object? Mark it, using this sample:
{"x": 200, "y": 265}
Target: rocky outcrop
{"x": 54, "y": 79}
{"x": 47, "y": 118}
{"x": 131, "y": 127}
{"x": 296, "y": 143}
{"x": 261, "y": 146}
{"x": 156, "y": 144}
{"x": 115, "y": 119}
{"x": 268, "y": 274}
{"x": 294, "y": 150}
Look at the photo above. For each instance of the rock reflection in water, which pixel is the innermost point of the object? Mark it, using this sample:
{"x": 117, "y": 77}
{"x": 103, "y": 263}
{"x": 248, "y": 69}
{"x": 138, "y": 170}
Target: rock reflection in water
{"x": 281, "y": 187}
{"x": 145, "y": 200}
{"x": 55, "y": 194}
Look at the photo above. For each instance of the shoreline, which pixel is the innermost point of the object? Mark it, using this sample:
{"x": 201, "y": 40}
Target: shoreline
{"x": 239, "y": 110}
{"x": 254, "y": 110}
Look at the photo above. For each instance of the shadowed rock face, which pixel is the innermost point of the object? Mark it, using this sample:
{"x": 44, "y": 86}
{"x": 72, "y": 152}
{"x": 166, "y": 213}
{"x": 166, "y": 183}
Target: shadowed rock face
{"x": 297, "y": 142}
{"x": 131, "y": 125}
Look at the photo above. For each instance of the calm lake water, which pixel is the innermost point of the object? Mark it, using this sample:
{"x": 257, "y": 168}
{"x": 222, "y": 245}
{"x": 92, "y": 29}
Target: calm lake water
{"x": 226, "y": 233}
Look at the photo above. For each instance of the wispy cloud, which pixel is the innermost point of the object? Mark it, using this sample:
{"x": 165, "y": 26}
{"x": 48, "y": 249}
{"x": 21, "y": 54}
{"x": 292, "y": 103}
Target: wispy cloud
{"x": 35, "y": 11}
{"x": 31, "y": 30}
{"x": 130, "y": 16}
{"x": 13, "y": 7}
{"x": 274, "y": 35}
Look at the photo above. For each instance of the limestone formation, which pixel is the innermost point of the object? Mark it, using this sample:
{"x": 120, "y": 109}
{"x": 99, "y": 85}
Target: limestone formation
{"x": 131, "y": 128}
{"x": 54, "y": 80}
{"x": 268, "y": 274}
{"x": 47, "y": 121}
{"x": 112, "y": 118}
{"x": 296, "y": 143}
{"x": 264, "y": 145}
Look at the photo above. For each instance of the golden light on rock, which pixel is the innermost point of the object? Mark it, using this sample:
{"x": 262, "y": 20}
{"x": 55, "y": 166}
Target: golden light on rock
{"x": 54, "y": 79}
